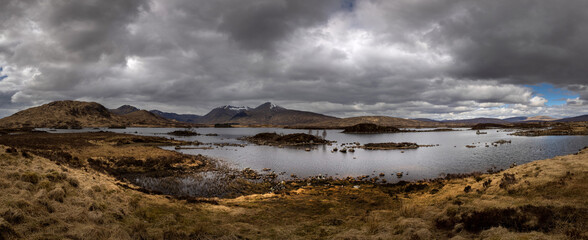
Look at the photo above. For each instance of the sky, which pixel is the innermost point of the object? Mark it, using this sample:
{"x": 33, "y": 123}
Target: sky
{"x": 440, "y": 59}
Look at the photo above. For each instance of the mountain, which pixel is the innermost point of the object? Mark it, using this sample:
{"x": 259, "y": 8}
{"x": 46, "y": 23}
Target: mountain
{"x": 540, "y": 119}
{"x": 271, "y": 114}
{"x": 145, "y": 118}
{"x": 515, "y": 119}
{"x": 476, "y": 121}
{"x": 583, "y": 118}
{"x": 378, "y": 120}
{"x": 77, "y": 114}
{"x": 530, "y": 119}
{"x": 189, "y": 118}
{"x": 221, "y": 114}
{"x": 425, "y": 120}
{"x": 124, "y": 109}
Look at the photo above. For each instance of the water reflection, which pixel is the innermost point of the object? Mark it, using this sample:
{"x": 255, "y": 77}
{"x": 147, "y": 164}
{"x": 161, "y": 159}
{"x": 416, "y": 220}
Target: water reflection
{"x": 451, "y": 156}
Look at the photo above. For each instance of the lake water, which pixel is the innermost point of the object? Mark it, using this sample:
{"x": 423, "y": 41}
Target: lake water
{"x": 450, "y": 156}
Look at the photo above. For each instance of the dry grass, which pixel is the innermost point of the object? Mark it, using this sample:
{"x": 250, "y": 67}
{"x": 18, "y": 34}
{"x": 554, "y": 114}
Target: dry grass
{"x": 40, "y": 199}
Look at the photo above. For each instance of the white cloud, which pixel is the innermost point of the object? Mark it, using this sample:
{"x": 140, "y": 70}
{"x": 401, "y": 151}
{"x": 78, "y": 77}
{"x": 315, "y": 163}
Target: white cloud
{"x": 537, "y": 101}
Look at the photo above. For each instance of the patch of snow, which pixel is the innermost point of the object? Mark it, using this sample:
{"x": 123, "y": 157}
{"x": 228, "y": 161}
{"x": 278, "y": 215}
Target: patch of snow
{"x": 233, "y": 108}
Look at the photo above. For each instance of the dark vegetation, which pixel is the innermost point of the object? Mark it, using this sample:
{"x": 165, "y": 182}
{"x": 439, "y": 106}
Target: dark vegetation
{"x": 287, "y": 140}
{"x": 390, "y": 146}
{"x": 579, "y": 128}
{"x": 525, "y": 218}
{"x": 481, "y": 126}
{"x": 370, "y": 128}
{"x": 183, "y": 133}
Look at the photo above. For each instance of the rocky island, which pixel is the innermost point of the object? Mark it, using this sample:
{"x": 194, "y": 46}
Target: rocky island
{"x": 390, "y": 146}
{"x": 295, "y": 139}
{"x": 370, "y": 128}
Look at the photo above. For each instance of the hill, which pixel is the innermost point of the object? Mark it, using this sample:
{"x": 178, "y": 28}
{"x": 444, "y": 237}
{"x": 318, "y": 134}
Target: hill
{"x": 583, "y": 118}
{"x": 145, "y": 118}
{"x": 63, "y": 114}
{"x": 540, "y": 119}
{"x": 77, "y": 114}
{"x": 425, "y": 120}
{"x": 189, "y": 118}
{"x": 515, "y": 119}
{"x": 124, "y": 109}
{"x": 378, "y": 120}
{"x": 476, "y": 121}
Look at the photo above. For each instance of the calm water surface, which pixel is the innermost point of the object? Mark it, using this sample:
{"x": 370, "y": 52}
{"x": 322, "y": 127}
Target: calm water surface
{"x": 451, "y": 156}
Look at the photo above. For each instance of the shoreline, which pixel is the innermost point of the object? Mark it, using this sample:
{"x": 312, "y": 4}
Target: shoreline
{"x": 541, "y": 199}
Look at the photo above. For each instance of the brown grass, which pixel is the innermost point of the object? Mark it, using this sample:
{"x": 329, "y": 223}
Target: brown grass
{"x": 43, "y": 198}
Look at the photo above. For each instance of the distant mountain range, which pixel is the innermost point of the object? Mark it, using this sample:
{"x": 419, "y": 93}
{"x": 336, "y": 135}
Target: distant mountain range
{"x": 378, "y": 120}
{"x": 493, "y": 120}
{"x": 75, "y": 114}
{"x": 265, "y": 114}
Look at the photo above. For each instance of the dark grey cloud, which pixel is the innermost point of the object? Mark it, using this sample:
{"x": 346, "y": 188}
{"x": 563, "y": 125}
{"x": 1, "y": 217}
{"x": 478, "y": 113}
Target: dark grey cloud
{"x": 443, "y": 58}
{"x": 258, "y": 25}
{"x": 519, "y": 41}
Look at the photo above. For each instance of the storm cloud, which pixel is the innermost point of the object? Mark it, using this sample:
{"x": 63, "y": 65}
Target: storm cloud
{"x": 405, "y": 58}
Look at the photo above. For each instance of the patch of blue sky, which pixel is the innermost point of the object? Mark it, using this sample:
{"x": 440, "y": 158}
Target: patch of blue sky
{"x": 2, "y": 76}
{"x": 348, "y": 5}
{"x": 554, "y": 95}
